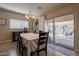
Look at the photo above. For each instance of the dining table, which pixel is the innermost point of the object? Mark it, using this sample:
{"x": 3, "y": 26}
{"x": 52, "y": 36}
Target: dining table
{"x": 28, "y": 40}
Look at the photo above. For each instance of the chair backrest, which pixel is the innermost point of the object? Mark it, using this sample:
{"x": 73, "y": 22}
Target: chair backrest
{"x": 25, "y": 30}
{"x": 43, "y": 38}
{"x": 40, "y": 31}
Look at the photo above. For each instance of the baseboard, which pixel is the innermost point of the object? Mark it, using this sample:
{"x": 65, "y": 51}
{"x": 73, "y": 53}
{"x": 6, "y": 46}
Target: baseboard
{"x": 5, "y": 41}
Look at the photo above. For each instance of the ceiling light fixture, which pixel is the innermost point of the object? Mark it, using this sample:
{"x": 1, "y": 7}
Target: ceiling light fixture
{"x": 29, "y": 15}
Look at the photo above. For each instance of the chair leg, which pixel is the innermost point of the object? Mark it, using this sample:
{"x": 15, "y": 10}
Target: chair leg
{"x": 31, "y": 53}
{"x": 38, "y": 53}
{"x": 17, "y": 44}
{"x": 46, "y": 52}
{"x": 19, "y": 48}
{"x": 22, "y": 51}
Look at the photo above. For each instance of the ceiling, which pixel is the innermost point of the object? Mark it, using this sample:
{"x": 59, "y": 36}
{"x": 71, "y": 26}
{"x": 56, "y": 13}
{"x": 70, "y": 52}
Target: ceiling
{"x": 69, "y": 17}
{"x": 23, "y": 8}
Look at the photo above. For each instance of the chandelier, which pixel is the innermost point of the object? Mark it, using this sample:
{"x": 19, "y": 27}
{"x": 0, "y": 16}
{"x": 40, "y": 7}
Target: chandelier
{"x": 29, "y": 15}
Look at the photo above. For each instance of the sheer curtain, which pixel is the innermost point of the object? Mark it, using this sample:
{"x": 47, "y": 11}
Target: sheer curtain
{"x": 43, "y": 24}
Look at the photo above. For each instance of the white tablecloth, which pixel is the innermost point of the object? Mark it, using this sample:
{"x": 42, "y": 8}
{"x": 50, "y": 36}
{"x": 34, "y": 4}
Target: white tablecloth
{"x": 28, "y": 40}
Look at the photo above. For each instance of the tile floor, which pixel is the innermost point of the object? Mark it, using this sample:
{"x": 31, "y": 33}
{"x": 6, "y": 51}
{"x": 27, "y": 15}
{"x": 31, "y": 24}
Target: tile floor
{"x": 9, "y": 49}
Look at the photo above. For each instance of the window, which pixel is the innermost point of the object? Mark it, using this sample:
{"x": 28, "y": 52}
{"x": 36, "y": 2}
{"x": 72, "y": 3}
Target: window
{"x": 18, "y": 24}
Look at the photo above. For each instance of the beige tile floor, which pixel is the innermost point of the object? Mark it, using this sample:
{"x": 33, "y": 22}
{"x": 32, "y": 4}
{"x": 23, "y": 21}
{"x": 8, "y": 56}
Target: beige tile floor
{"x": 9, "y": 49}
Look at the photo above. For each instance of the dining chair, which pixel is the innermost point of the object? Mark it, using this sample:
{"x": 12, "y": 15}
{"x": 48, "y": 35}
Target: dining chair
{"x": 42, "y": 44}
{"x": 25, "y": 30}
{"x": 20, "y": 44}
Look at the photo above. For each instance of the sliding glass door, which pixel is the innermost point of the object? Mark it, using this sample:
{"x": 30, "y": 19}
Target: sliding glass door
{"x": 61, "y": 30}
{"x": 64, "y": 31}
